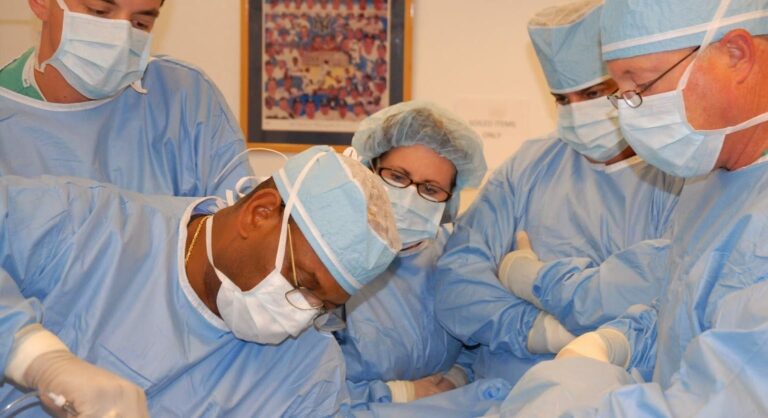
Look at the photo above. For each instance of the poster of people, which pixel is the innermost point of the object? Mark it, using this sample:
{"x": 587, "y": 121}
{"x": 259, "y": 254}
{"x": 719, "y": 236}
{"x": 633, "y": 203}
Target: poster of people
{"x": 325, "y": 63}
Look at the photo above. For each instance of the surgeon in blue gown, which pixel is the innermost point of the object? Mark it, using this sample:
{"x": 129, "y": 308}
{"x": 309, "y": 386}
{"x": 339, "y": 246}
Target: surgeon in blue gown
{"x": 128, "y": 283}
{"x": 578, "y": 193}
{"x": 706, "y": 339}
{"x": 89, "y": 101}
{"x": 395, "y": 349}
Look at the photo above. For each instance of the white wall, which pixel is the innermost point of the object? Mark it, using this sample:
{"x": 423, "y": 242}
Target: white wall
{"x": 473, "y": 57}
{"x": 19, "y": 29}
{"x": 207, "y": 34}
{"x": 476, "y": 54}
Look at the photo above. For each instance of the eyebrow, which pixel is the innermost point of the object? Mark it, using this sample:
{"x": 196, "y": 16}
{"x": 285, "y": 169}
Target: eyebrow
{"x": 149, "y": 12}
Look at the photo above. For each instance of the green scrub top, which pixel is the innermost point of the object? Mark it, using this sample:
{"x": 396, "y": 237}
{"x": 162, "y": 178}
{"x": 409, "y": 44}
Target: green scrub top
{"x": 12, "y": 77}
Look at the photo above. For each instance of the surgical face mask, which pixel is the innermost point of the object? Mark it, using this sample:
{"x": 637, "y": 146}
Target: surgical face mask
{"x": 659, "y": 131}
{"x": 417, "y": 218}
{"x": 263, "y": 314}
{"x": 99, "y": 57}
{"x": 591, "y": 128}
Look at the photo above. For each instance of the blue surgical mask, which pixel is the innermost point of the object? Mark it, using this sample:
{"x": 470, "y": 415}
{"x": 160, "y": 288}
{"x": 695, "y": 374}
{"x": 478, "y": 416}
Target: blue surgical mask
{"x": 659, "y": 131}
{"x": 591, "y": 128}
{"x": 99, "y": 57}
{"x": 417, "y": 218}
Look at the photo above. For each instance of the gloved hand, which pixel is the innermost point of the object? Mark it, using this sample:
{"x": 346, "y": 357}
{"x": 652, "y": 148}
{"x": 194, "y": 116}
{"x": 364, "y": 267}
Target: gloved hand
{"x": 604, "y": 344}
{"x": 39, "y": 360}
{"x": 457, "y": 376}
{"x": 547, "y": 335}
{"x": 410, "y": 390}
{"x": 518, "y": 269}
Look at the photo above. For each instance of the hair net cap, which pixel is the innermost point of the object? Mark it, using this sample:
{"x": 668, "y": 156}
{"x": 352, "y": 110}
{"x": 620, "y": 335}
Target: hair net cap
{"x": 566, "y": 39}
{"x": 424, "y": 123}
{"x": 343, "y": 211}
{"x": 638, "y": 27}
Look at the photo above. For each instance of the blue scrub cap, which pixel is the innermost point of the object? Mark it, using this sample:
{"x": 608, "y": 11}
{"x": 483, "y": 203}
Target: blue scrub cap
{"x": 566, "y": 39}
{"x": 424, "y": 123}
{"x": 343, "y": 211}
{"x": 638, "y": 27}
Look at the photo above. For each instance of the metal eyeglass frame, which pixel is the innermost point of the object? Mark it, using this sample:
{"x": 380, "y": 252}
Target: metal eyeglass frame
{"x": 634, "y": 98}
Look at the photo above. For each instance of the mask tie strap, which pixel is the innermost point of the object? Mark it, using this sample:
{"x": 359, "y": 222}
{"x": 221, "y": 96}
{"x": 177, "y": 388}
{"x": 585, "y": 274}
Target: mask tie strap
{"x": 714, "y": 25}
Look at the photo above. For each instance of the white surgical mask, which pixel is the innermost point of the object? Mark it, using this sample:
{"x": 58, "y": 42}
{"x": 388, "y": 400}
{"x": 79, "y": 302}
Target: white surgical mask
{"x": 263, "y": 314}
{"x": 591, "y": 128}
{"x": 417, "y": 218}
{"x": 99, "y": 57}
{"x": 659, "y": 131}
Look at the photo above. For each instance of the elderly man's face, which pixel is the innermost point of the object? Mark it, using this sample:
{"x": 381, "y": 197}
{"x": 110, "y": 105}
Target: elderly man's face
{"x": 702, "y": 98}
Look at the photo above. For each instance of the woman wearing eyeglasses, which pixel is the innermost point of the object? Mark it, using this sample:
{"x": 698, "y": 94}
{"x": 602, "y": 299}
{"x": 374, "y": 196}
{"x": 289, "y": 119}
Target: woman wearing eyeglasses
{"x": 395, "y": 349}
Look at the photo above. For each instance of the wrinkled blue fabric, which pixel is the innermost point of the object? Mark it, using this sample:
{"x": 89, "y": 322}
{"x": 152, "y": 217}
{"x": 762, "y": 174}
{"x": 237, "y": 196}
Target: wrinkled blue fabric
{"x": 392, "y": 332}
{"x": 583, "y": 294}
{"x": 712, "y": 317}
{"x": 178, "y": 139}
{"x": 107, "y": 267}
{"x": 570, "y": 208}
{"x": 468, "y": 401}
{"x": 542, "y": 383}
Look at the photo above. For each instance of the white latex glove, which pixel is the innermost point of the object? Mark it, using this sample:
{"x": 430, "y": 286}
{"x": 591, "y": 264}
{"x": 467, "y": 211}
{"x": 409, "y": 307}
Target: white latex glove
{"x": 518, "y": 269}
{"x": 39, "y": 360}
{"x": 605, "y": 344}
{"x": 410, "y": 390}
{"x": 547, "y": 335}
{"x": 457, "y": 376}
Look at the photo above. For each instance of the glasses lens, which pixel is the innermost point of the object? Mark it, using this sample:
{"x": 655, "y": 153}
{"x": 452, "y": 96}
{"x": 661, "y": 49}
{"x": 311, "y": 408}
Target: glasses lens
{"x": 432, "y": 193}
{"x": 329, "y": 322}
{"x": 303, "y": 299}
{"x": 614, "y": 99}
{"x": 394, "y": 178}
{"x": 632, "y": 98}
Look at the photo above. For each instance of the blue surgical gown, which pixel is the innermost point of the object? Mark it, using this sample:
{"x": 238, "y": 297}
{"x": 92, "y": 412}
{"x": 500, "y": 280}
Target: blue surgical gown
{"x": 571, "y": 208}
{"x": 178, "y": 139}
{"x": 104, "y": 268}
{"x": 392, "y": 332}
{"x": 712, "y": 326}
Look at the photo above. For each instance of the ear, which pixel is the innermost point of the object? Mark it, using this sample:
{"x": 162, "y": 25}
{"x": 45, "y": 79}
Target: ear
{"x": 740, "y": 47}
{"x": 39, "y": 8}
{"x": 261, "y": 210}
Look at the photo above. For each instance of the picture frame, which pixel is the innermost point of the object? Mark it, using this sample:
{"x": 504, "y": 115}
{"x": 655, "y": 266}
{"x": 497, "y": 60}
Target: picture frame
{"x": 312, "y": 69}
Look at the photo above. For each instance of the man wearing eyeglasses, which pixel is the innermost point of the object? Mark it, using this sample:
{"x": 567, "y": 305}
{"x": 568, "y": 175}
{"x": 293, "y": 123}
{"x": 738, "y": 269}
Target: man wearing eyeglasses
{"x": 590, "y": 208}
{"x": 692, "y": 100}
{"x": 207, "y": 309}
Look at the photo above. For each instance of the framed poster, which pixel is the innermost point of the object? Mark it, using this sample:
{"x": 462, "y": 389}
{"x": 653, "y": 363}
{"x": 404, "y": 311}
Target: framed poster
{"x": 312, "y": 69}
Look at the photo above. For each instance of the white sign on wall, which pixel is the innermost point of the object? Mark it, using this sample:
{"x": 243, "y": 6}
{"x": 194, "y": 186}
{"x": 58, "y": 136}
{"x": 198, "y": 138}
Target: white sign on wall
{"x": 501, "y": 122}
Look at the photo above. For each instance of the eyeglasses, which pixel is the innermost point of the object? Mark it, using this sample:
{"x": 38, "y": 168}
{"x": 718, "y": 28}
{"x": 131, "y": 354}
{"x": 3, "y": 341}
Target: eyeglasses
{"x": 634, "y": 98}
{"x": 428, "y": 191}
{"x": 302, "y": 298}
